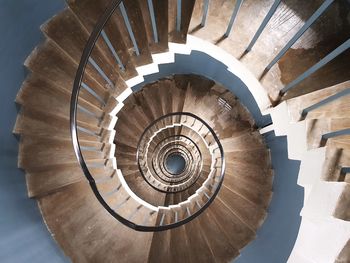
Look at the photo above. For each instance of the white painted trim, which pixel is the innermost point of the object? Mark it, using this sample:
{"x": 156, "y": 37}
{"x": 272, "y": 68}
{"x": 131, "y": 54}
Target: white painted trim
{"x": 267, "y": 129}
{"x": 235, "y": 66}
{"x": 126, "y": 93}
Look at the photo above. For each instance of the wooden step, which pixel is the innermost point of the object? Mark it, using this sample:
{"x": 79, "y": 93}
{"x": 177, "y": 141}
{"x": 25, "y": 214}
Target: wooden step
{"x": 55, "y": 177}
{"x": 134, "y": 13}
{"x": 255, "y": 193}
{"x": 319, "y": 127}
{"x": 50, "y": 62}
{"x": 247, "y": 141}
{"x": 298, "y": 104}
{"x": 88, "y": 12}
{"x": 41, "y": 94}
{"x": 160, "y": 246}
{"x": 186, "y": 14}
{"x": 230, "y": 223}
{"x": 143, "y": 190}
{"x": 66, "y": 30}
{"x": 220, "y": 247}
{"x": 48, "y": 152}
{"x": 160, "y": 9}
{"x": 179, "y": 244}
{"x": 250, "y": 213}
{"x": 250, "y": 173}
{"x": 100, "y": 236}
{"x": 200, "y": 249}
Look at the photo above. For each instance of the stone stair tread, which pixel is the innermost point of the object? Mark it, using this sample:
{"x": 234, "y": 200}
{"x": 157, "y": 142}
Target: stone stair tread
{"x": 77, "y": 208}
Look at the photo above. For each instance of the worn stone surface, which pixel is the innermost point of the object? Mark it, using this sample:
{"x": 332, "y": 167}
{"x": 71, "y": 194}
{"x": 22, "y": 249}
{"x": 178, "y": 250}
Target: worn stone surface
{"x": 85, "y": 230}
{"x": 325, "y": 34}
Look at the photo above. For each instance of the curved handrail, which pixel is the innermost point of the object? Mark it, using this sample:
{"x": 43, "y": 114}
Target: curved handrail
{"x": 102, "y": 21}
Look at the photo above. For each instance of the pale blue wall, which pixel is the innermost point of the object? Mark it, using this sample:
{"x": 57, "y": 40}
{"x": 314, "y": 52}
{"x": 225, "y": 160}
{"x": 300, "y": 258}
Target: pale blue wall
{"x": 23, "y": 235}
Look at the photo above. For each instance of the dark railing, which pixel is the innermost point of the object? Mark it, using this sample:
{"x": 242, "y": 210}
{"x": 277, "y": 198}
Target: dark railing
{"x": 78, "y": 149}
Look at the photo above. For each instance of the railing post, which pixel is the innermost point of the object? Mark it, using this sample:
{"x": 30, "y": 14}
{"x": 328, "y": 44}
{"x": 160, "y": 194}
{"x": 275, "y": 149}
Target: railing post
{"x": 301, "y": 31}
{"x": 318, "y": 65}
{"x": 205, "y": 12}
{"x": 153, "y": 20}
{"x": 233, "y": 17}
{"x": 178, "y": 15}
{"x": 128, "y": 27}
{"x": 263, "y": 24}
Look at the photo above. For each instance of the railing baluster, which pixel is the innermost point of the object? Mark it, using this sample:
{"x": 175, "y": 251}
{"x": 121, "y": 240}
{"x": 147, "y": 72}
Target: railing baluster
{"x": 301, "y": 31}
{"x": 188, "y": 211}
{"x": 176, "y": 217}
{"x": 162, "y": 220}
{"x": 134, "y": 212}
{"x": 87, "y": 131}
{"x": 82, "y": 109}
{"x": 263, "y": 24}
{"x": 178, "y": 15}
{"x": 128, "y": 27}
{"x": 205, "y": 12}
{"x": 93, "y": 93}
{"x": 111, "y": 48}
{"x": 101, "y": 72}
{"x": 346, "y": 169}
{"x": 122, "y": 202}
{"x": 233, "y": 17}
{"x": 318, "y": 65}
{"x": 324, "y": 102}
{"x": 90, "y": 149}
{"x": 335, "y": 134}
{"x": 153, "y": 20}
{"x": 110, "y": 193}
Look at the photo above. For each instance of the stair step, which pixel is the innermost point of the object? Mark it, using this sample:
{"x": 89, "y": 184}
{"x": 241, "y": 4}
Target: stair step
{"x": 76, "y": 207}
{"x": 230, "y": 223}
{"x": 250, "y": 213}
{"x": 62, "y": 71}
{"x": 73, "y": 44}
{"x": 178, "y": 29}
{"x": 220, "y": 247}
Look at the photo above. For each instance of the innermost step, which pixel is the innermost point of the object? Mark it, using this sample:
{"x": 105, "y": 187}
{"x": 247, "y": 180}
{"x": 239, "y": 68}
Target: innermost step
{"x": 175, "y": 164}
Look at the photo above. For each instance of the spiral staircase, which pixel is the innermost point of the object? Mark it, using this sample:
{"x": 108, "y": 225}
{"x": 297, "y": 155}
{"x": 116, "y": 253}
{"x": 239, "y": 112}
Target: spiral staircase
{"x": 177, "y": 169}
